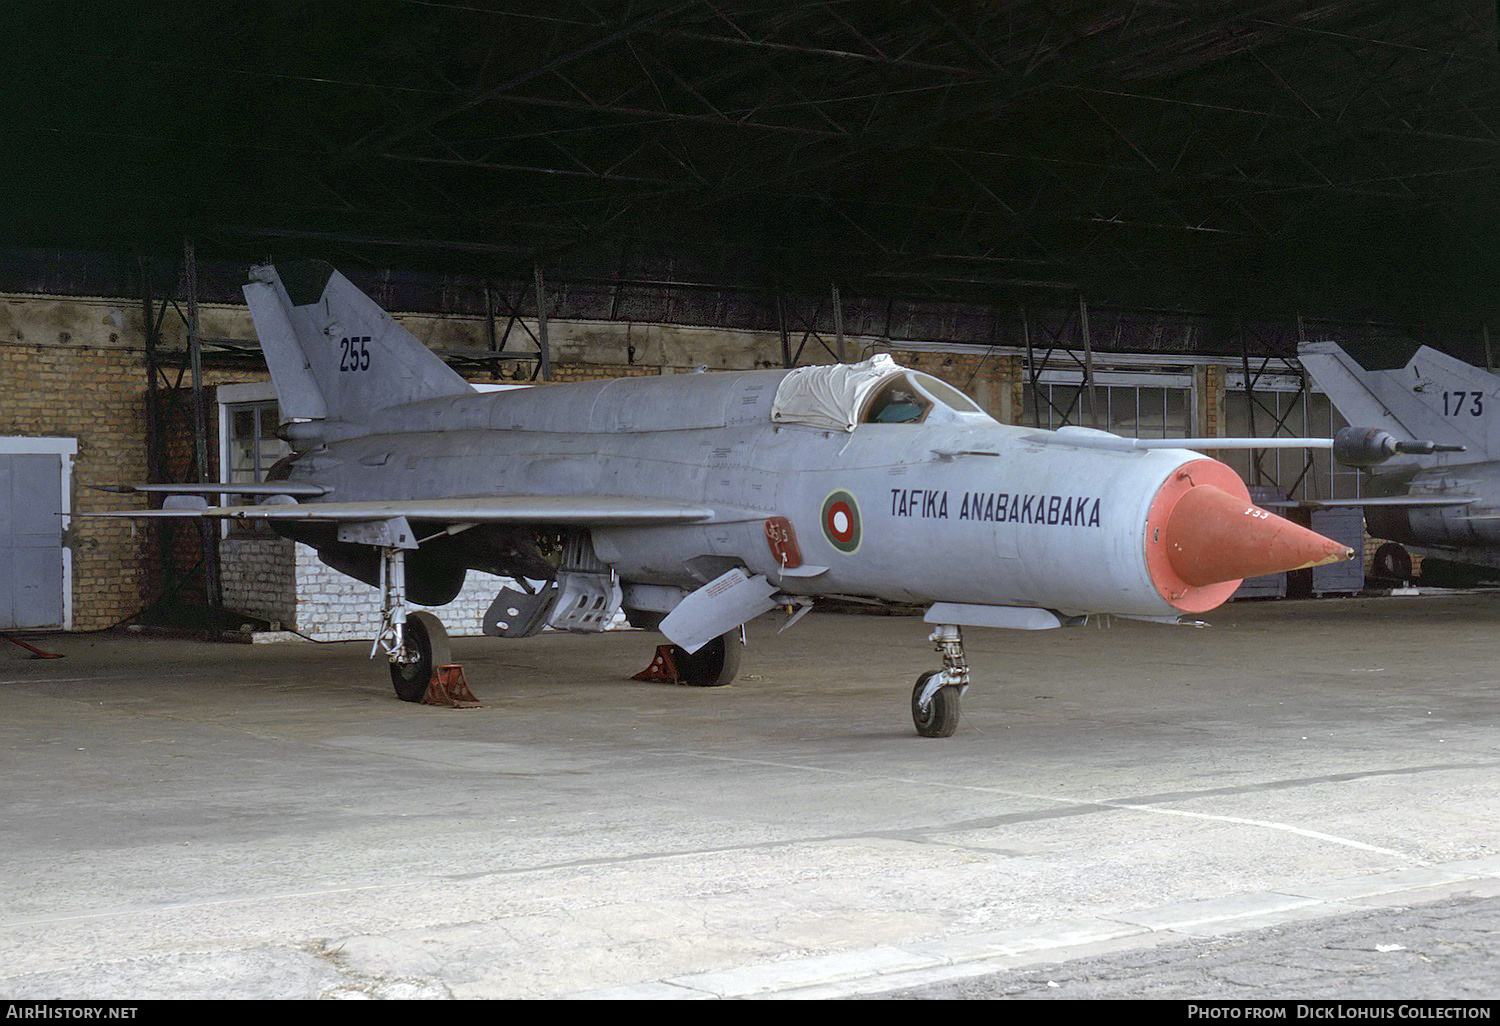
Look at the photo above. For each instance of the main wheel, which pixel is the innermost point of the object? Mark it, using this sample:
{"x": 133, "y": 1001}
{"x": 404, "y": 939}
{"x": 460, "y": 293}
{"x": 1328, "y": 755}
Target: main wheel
{"x": 425, "y": 638}
{"x": 940, "y": 718}
{"x": 1392, "y": 562}
{"x": 713, "y": 665}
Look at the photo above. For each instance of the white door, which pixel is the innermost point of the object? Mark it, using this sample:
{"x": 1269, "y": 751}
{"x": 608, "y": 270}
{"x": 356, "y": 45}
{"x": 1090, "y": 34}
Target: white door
{"x": 33, "y": 563}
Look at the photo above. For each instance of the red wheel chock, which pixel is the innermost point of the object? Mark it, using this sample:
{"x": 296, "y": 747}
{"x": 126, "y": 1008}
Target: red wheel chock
{"x": 663, "y": 669}
{"x": 449, "y": 686}
{"x": 36, "y": 653}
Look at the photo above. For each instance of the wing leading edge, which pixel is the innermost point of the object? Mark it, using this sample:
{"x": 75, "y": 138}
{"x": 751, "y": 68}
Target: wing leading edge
{"x": 514, "y": 509}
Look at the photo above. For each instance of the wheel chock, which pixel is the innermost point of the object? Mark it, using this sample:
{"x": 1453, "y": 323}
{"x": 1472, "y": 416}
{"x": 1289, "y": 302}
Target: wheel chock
{"x": 663, "y": 669}
{"x": 449, "y": 686}
{"x": 36, "y": 653}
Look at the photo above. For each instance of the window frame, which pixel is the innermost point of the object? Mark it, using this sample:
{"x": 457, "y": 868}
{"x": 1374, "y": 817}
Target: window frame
{"x": 231, "y": 399}
{"x": 1165, "y": 380}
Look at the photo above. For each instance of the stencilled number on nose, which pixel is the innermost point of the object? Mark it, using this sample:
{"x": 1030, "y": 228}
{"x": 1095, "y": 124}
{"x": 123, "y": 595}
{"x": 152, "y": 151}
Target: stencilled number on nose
{"x": 354, "y": 353}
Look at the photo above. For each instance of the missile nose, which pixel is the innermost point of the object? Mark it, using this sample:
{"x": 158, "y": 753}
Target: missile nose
{"x": 1204, "y": 536}
{"x": 1213, "y": 536}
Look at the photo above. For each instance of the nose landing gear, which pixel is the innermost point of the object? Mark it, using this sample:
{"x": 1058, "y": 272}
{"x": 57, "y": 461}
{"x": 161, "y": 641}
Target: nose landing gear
{"x": 935, "y": 698}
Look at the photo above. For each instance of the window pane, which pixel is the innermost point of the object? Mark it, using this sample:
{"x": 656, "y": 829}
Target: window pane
{"x": 253, "y": 449}
{"x": 1177, "y": 418}
{"x": 945, "y": 393}
{"x": 242, "y": 444}
{"x": 1067, "y": 406}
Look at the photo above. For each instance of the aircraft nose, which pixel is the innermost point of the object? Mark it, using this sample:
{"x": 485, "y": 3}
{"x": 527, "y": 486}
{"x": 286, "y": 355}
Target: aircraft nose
{"x": 1204, "y": 536}
{"x": 1213, "y": 536}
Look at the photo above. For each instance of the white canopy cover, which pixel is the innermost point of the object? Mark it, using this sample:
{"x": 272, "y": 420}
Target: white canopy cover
{"x": 832, "y": 396}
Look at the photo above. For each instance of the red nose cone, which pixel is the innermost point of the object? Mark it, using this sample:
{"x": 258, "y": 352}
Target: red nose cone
{"x": 1213, "y": 536}
{"x": 1204, "y": 535}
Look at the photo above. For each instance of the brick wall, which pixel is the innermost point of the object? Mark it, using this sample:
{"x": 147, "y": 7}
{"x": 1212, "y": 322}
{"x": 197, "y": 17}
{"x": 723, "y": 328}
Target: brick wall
{"x": 76, "y": 368}
{"x": 259, "y": 577}
{"x": 67, "y": 373}
{"x": 1211, "y": 400}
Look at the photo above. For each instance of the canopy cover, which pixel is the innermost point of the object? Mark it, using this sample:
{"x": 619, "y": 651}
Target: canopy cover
{"x": 831, "y": 397}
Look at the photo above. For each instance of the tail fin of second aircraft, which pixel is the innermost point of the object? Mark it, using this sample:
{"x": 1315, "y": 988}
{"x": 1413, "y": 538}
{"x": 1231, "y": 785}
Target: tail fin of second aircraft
{"x": 334, "y": 354}
{"x": 1433, "y": 397}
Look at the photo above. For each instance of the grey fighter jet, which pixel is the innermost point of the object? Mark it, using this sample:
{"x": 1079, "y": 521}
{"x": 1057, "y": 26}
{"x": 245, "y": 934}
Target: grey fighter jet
{"x": 1440, "y": 497}
{"x": 694, "y": 503}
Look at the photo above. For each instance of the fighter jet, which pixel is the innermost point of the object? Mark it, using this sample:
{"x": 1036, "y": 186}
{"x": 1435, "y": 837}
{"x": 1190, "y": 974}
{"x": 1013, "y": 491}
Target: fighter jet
{"x": 1439, "y": 496}
{"x": 693, "y": 503}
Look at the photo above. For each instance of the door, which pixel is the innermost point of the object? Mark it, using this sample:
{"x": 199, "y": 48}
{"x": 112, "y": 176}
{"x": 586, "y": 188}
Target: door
{"x": 31, "y": 550}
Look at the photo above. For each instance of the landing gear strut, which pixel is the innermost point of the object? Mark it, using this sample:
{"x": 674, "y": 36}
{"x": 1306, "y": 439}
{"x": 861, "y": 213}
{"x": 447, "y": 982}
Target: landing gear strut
{"x": 414, "y": 641}
{"x": 935, "y": 699}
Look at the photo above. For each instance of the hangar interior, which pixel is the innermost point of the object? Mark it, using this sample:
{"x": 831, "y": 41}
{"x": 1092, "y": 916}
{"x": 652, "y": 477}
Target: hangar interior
{"x": 1123, "y": 215}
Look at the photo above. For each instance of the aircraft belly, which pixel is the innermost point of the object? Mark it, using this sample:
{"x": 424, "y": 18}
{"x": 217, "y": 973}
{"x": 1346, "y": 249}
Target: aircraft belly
{"x": 685, "y": 556}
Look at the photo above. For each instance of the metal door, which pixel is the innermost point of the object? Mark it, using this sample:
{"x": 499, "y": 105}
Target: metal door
{"x": 31, "y": 552}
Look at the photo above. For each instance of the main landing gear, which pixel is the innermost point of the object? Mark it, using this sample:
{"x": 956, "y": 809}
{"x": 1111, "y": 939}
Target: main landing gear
{"x": 935, "y": 699}
{"x": 416, "y": 643}
{"x": 423, "y": 648}
{"x": 715, "y": 664}
{"x": 1392, "y": 562}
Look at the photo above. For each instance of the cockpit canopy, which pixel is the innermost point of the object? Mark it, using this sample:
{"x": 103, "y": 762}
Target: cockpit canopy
{"x": 840, "y": 397}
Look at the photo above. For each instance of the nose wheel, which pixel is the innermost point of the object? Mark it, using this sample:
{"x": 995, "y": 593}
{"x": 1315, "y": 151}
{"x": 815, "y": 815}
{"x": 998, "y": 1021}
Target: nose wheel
{"x": 939, "y": 716}
{"x": 935, "y": 698}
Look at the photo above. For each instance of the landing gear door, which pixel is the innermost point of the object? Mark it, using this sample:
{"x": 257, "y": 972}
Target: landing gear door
{"x": 719, "y": 606}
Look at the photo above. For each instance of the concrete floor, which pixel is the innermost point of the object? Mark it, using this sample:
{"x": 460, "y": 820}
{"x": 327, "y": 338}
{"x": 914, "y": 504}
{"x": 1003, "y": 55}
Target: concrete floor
{"x": 183, "y": 819}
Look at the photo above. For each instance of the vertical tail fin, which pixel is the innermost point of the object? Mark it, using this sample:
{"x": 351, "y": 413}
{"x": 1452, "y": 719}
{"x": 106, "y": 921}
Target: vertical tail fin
{"x": 333, "y": 353}
{"x": 1433, "y": 397}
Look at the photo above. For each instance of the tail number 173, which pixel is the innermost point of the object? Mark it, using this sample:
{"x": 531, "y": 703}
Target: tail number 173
{"x": 354, "y": 353}
{"x": 1455, "y": 403}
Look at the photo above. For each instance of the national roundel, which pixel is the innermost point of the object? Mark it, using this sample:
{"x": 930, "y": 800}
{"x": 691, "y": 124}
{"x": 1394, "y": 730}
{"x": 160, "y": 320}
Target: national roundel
{"x": 841, "y": 521}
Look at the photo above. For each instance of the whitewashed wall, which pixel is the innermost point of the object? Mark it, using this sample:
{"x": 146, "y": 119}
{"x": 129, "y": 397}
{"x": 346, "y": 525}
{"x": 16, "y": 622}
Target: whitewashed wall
{"x": 281, "y": 580}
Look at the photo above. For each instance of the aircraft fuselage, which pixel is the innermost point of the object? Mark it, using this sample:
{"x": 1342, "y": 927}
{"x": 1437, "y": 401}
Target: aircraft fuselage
{"x": 1468, "y": 532}
{"x": 966, "y": 510}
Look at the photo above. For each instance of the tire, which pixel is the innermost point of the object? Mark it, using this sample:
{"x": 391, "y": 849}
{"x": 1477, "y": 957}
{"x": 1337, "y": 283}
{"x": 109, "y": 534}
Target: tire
{"x": 940, "y": 718}
{"x": 425, "y": 636}
{"x": 714, "y": 665}
{"x": 1391, "y": 562}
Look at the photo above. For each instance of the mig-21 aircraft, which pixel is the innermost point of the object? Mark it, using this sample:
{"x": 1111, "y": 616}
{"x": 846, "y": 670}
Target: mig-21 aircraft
{"x": 1439, "y": 497}
{"x": 695, "y": 503}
